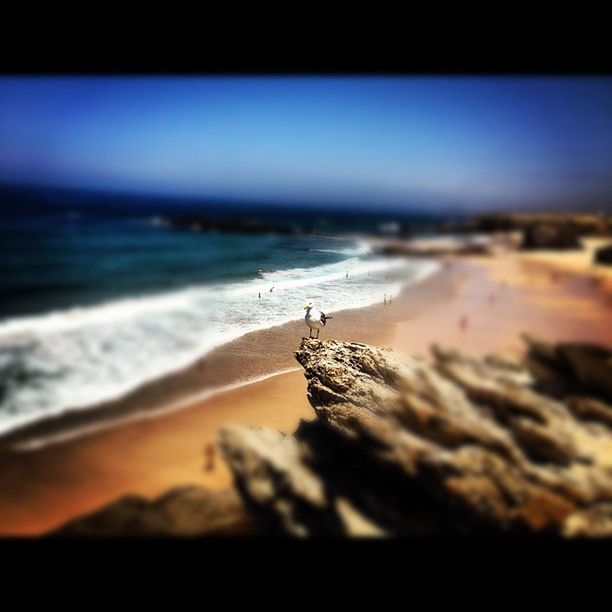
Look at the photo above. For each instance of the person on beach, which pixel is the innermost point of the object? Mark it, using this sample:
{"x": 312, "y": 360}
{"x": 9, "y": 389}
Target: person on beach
{"x": 385, "y": 300}
{"x": 463, "y": 323}
{"x": 209, "y": 455}
{"x": 259, "y": 296}
{"x": 346, "y": 274}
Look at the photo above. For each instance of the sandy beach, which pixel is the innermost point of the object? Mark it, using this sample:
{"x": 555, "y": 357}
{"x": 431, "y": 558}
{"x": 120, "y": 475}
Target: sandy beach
{"x": 140, "y": 446}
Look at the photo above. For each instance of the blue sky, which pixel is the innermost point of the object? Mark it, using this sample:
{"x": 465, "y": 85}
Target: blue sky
{"x": 431, "y": 142}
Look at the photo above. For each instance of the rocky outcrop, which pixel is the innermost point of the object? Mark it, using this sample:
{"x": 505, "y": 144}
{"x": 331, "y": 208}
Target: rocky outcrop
{"x": 199, "y": 223}
{"x": 582, "y": 224}
{"x": 431, "y": 248}
{"x": 187, "y": 511}
{"x": 551, "y": 235}
{"x": 457, "y": 445}
{"x": 577, "y": 371}
{"x": 603, "y": 255}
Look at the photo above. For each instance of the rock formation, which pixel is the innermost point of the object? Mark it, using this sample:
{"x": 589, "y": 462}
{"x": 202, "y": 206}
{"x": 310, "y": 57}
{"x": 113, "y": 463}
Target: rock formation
{"x": 407, "y": 446}
{"x": 551, "y": 235}
{"x": 186, "y": 511}
{"x": 584, "y": 224}
{"x": 199, "y": 223}
{"x": 603, "y": 255}
{"x": 457, "y": 446}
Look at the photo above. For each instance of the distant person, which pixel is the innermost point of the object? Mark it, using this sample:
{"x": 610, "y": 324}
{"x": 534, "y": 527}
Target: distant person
{"x": 385, "y": 300}
{"x": 463, "y": 323}
{"x": 346, "y": 274}
{"x": 492, "y": 298}
{"x": 259, "y": 296}
{"x": 209, "y": 455}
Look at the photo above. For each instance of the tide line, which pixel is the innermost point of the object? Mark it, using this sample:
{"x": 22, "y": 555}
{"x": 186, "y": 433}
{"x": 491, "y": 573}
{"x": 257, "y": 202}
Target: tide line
{"x": 37, "y": 443}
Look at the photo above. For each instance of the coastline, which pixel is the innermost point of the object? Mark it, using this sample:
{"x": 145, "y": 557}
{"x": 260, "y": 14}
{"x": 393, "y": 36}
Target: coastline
{"x": 44, "y": 487}
{"x": 578, "y": 262}
{"x": 237, "y": 363}
{"x": 505, "y": 296}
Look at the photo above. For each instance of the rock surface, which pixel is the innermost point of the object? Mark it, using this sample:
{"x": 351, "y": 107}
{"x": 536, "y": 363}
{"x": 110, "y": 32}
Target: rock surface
{"x": 582, "y": 224}
{"x": 456, "y": 446}
{"x": 549, "y": 235}
{"x": 603, "y": 255}
{"x": 187, "y": 511}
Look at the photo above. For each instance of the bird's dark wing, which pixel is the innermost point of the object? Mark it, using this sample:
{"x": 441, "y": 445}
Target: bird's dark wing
{"x": 323, "y": 318}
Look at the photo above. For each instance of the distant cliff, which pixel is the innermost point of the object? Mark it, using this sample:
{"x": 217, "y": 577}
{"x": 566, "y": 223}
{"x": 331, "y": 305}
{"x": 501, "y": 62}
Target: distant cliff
{"x": 539, "y": 230}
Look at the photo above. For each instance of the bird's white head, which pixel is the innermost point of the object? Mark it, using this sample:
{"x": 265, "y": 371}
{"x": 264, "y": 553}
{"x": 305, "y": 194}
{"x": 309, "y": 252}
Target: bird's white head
{"x": 308, "y": 306}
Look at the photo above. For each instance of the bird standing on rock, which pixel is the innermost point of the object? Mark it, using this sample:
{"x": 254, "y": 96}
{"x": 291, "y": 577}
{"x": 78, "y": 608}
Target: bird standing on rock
{"x": 315, "y": 319}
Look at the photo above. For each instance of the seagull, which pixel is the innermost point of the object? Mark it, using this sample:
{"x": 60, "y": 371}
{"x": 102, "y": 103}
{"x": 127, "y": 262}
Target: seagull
{"x": 315, "y": 319}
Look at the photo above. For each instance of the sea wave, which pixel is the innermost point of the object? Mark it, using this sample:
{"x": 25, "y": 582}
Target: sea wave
{"x": 74, "y": 358}
{"x": 362, "y": 248}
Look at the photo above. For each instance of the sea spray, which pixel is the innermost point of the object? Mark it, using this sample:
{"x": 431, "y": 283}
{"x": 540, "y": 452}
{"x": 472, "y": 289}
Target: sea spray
{"x": 80, "y": 356}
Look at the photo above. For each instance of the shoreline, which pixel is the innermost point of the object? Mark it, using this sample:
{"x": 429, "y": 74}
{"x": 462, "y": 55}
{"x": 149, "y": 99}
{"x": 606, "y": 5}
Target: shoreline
{"x": 44, "y": 487}
{"x": 98, "y": 425}
{"x": 234, "y": 364}
{"x": 576, "y": 262}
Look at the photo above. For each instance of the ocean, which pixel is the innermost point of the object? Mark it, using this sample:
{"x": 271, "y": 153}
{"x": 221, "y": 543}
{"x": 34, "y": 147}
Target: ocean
{"x": 98, "y": 300}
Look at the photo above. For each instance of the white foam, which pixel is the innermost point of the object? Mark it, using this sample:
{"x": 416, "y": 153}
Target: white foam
{"x": 362, "y": 248}
{"x": 83, "y": 356}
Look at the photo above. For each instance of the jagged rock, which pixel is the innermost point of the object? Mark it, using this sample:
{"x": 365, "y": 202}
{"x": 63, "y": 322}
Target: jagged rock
{"x": 282, "y": 490}
{"x": 590, "y": 409}
{"x": 593, "y": 522}
{"x": 459, "y": 445}
{"x": 603, "y": 255}
{"x": 571, "y": 366}
{"x": 186, "y": 511}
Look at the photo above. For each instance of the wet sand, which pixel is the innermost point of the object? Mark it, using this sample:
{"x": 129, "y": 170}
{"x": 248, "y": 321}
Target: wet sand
{"x": 251, "y": 357}
{"x": 42, "y": 488}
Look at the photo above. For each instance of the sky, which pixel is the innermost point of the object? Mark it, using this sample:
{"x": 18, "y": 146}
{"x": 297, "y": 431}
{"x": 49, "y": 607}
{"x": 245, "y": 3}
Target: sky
{"x": 425, "y": 142}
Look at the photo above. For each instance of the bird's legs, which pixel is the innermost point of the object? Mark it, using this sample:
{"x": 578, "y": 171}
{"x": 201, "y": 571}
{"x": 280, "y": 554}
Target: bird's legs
{"x": 310, "y": 333}
{"x": 318, "y": 332}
